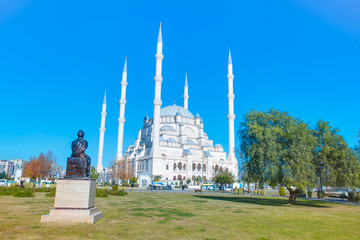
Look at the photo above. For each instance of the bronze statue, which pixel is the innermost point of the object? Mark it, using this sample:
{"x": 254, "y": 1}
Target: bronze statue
{"x": 78, "y": 165}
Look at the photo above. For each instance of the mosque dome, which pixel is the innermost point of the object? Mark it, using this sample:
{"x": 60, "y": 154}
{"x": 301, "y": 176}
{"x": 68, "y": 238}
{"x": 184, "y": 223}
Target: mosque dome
{"x": 171, "y": 111}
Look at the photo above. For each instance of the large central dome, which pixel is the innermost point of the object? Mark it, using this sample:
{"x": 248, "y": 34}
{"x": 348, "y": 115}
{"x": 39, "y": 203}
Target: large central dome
{"x": 173, "y": 110}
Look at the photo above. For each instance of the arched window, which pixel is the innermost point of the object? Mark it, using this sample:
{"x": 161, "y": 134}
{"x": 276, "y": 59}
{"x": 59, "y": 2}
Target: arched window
{"x": 193, "y": 177}
{"x": 193, "y": 166}
{"x": 174, "y": 166}
{"x": 189, "y": 132}
{"x": 184, "y": 166}
{"x": 216, "y": 168}
{"x": 204, "y": 178}
{"x": 199, "y": 167}
{"x": 174, "y": 178}
{"x": 184, "y": 178}
{"x": 179, "y": 165}
{"x": 179, "y": 177}
{"x": 204, "y": 167}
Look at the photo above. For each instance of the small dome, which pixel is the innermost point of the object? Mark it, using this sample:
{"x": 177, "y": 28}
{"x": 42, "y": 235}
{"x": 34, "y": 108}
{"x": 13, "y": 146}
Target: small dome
{"x": 161, "y": 138}
{"x": 167, "y": 128}
{"x": 190, "y": 142}
{"x": 171, "y": 140}
{"x": 218, "y": 145}
{"x": 171, "y": 111}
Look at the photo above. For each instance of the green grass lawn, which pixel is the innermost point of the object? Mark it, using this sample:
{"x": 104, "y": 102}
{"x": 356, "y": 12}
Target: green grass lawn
{"x": 185, "y": 216}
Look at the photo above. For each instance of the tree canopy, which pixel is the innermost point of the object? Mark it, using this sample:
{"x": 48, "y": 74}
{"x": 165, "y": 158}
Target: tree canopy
{"x": 39, "y": 167}
{"x": 279, "y": 149}
{"x": 224, "y": 177}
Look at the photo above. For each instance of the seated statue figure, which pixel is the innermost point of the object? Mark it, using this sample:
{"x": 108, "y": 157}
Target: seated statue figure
{"x": 78, "y": 165}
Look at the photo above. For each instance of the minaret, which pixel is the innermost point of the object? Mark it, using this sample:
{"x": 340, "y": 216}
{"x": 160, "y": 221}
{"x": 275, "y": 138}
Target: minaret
{"x": 157, "y": 100}
{"x": 121, "y": 119}
{"x": 231, "y": 116}
{"x": 99, "y": 167}
{"x": 186, "y": 93}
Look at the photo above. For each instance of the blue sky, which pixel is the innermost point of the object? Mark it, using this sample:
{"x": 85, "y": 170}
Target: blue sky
{"x": 58, "y": 57}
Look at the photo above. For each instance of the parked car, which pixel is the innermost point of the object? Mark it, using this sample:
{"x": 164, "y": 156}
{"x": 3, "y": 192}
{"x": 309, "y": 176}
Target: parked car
{"x": 3, "y": 182}
{"x": 227, "y": 189}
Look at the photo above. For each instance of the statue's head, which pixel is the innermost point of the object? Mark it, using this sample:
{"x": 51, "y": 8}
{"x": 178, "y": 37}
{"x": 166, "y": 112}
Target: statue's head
{"x": 80, "y": 134}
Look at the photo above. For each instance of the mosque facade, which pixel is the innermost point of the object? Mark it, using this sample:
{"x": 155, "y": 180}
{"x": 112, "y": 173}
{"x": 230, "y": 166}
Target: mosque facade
{"x": 173, "y": 143}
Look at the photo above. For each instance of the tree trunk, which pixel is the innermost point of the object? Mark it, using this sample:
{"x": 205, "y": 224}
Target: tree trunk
{"x": 293, "y": 195}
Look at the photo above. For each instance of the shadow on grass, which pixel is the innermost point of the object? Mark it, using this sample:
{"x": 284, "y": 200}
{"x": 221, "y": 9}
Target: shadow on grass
{"x": 266, "y": 201}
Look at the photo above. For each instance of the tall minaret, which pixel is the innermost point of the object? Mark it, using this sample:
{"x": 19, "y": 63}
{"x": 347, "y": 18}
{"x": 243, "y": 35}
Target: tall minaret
{"x": 157, "y": 100}
{"x": 121, "y": 119}
{"x": 231, "y": 116}
{"x": 99, "y": 167}
{"x": 186, "y": 93}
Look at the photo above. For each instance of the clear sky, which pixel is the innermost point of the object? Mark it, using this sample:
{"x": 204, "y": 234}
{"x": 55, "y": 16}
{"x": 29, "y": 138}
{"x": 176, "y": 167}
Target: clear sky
{"x": 58, "y": 57}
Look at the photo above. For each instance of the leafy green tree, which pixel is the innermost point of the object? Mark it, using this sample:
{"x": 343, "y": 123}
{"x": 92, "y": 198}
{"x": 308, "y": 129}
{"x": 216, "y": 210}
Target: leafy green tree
{"x": 277, "y": 150}
{"x": 93, "y": 172}
{"x": 3, "y": 175}
{"x": 335, "y": 163}
{"x": 357, "y": 147}
{"x": 224, "y": 177}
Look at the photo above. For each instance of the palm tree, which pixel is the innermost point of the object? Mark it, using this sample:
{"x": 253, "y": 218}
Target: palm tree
{"x": 157, "y": 178}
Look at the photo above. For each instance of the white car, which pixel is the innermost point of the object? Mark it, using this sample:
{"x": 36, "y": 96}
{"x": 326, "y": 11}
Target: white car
{"x": 3, "y": 182}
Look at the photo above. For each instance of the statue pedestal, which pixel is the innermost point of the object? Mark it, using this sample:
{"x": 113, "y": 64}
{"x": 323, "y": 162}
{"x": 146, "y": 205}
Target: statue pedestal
{"x": 74, "y": 202}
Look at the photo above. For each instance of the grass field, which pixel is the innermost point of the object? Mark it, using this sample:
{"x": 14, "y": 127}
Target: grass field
{"x": 185, "y": 216}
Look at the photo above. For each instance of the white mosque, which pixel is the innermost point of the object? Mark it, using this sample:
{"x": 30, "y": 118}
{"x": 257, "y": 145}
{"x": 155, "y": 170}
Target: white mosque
{"x": 173, "y": 143}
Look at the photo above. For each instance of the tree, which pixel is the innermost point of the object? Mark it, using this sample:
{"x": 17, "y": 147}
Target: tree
{"x": 93, "y": 173}
{"x": 197, "y": 180}
{"x": 3, "y": 175}
{"x": 357, "y": 147}
{"x": 122, "y": 169}
{"x": 39, "y": 167}
{"x": 277, "y": 150}
{"x": 224, "y": 177}
{"x": 335, "y": 163}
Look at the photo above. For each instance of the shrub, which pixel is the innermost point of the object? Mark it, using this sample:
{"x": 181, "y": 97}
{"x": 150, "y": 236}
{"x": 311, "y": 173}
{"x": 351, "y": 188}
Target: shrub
{"x": 9, "y": 191}
{"x": 282, "y": 191}
{"x": 357, "y": 197}
{"x": 241, "y": 191}
{"x": 262, "y": 192}
{"x": 52, "y": 185}
{"x": 301, "y": 193}
{"x": 43, "y": 185}
{"x": 29, "y": 185}
{"x": 44, "y": 189}
{"x": 320, "y": 194}
{"x": 51, "y": 193}
{"x": 117, "y": 193}
{"x": 115, "y": 188}
{"x": 351, "y": 196}
{"x": 102, "y": 193}
{"x": 25, "y": 193}
{"x": 309, "y": 193}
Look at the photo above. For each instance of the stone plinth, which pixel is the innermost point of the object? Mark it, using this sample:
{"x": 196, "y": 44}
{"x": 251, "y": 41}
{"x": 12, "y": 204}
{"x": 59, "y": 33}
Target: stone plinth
{"x": 74, "y": 202}
{"x": 76, "y": 167}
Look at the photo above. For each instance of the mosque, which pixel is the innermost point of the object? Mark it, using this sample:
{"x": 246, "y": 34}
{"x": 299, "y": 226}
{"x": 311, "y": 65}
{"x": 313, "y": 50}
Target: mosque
{"x": 173, "y": 143}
